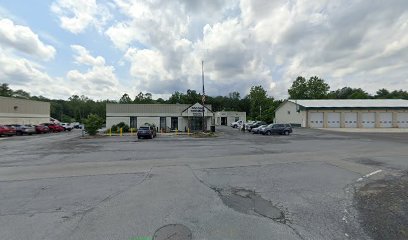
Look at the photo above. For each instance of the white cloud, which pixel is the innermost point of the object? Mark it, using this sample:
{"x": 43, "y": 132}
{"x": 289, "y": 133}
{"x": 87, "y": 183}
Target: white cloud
{"x": 24, "y": 74}
{"x": 76, "y": 15}
{"x": 23, "y": 39}
{"x": 98, "y": 81}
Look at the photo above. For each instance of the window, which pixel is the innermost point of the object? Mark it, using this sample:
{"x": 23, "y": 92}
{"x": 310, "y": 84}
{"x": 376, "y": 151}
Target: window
{"x": 133, "y": 122}
{"x": 174, "y": 123}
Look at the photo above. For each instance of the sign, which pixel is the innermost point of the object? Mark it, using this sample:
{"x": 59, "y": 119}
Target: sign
{"x": 197, "y": 111}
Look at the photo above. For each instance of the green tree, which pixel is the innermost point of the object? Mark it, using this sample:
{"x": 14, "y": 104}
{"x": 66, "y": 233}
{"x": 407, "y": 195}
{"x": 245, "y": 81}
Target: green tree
{"x": 317, "y": 88}
{"x": 125, "y": 99}
{"x": 314, "y": 88}
{"x": 258, "y": 101}
{"x": 92, "y": 123}
{"x": 349, "y": 93}
{"x": 5, "y": 91}
{"x": 298, "y": 90}
{"x": 21, "y": 94}
{"x": 382, "y": 93}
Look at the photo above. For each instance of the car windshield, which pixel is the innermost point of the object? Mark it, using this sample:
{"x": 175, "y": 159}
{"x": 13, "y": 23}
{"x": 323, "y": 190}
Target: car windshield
{"x": 144, "y": 128}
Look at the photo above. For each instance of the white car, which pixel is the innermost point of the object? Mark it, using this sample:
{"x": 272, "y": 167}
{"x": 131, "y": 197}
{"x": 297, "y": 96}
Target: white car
{"x": 237, "y": 124}
{"x": 67, "y": 126}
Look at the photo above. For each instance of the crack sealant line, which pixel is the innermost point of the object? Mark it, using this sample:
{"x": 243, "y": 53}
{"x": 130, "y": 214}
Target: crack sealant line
{"x": 369, "y": 175}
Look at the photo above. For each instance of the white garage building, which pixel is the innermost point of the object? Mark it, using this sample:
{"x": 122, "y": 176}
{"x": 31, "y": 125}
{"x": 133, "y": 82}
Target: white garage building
{"x": 165, "y": 117}
{"x": 225, "y": 118}
{"x": 347, "y": 113}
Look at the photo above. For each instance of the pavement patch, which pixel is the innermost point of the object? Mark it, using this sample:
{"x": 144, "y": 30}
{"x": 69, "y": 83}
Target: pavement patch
{"x": 173, "y": 232}
{"x": 249, "y": 202}
{"x": 387, "y": 198}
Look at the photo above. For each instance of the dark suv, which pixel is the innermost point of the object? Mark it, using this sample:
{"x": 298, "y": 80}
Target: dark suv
{"x": 283, "y": 129}
{"x": 146, "y": 132}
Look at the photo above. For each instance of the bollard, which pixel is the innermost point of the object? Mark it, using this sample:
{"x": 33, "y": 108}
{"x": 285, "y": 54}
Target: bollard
{"x": 176, "y": 131}
{"x": 121, "y": 132}
{"x": 110, "y": 132}
{"x": 188, "y": 131}
{"x": 131, "y": 131}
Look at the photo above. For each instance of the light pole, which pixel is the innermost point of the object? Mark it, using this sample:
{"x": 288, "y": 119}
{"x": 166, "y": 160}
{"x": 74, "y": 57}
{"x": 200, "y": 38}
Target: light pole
{"x": 203, "y": 97}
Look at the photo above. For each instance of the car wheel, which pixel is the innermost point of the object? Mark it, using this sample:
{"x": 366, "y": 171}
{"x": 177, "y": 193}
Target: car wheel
{"x": 268, "y": 133}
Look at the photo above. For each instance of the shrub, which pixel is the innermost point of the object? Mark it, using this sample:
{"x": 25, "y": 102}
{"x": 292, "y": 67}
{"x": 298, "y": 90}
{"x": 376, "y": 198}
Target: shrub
{"x": 92, "y": 124}
{"x": 116, "y": 128}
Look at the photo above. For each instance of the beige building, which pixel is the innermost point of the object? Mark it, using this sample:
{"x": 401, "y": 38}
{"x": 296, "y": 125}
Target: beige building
{"x": 22, "y": 111}
{"x": 225, "y": 118}
{"x": 347, "y": 113}
{"x": 166, "y": 117}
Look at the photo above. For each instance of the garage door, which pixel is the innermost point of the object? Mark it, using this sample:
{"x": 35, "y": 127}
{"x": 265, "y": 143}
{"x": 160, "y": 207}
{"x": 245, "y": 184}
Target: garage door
{"x": 368, "y": 120}
{"x": 402, "y": 120}
{"x": 316, "y": 120}
{"x": 385, "y": 120}
{"x": 333, "y": 120}
{"x": 350, "y": 120}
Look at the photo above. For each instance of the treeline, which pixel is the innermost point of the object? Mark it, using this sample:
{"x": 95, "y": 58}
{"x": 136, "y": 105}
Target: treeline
{"x": 257, "y": 104}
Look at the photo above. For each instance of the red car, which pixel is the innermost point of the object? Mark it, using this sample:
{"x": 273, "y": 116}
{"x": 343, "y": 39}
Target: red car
{"x": 7, "y": 131}
{"x": 54, "y": 127}
{"x": 41, "y": 129}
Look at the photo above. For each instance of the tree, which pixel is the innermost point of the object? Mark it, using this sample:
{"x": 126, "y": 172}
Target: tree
{"x": 21, "y": 94}
{"x": 349, "y": 93}
{"x": 258, "y": 100}
{"x": 314, "y": 88}
{"x": 125, "y": 99}
{"x": 5, "y": 91}
{"x": 382, "y": 93}
{"x": 298, "y": 90}
{"x": 317, "y": 88}
{"x": 92, "y": 123}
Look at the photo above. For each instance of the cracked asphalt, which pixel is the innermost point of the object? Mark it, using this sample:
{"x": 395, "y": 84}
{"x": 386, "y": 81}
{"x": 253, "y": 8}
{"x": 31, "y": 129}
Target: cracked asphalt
{"x": 312, "y": 184}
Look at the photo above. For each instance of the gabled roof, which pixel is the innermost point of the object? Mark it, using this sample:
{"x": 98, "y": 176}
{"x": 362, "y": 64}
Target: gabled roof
{"x": 352, "y": 103}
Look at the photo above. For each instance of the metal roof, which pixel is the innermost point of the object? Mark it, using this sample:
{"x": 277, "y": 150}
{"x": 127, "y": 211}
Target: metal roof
{"x": 352, "y": 103}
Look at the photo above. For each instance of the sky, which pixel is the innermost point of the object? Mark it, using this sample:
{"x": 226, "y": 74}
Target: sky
{"x": 103, "y": 49}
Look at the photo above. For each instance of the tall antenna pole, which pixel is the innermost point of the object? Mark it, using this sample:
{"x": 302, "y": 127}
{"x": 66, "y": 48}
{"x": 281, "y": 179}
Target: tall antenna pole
{"x": 203, "y": 97}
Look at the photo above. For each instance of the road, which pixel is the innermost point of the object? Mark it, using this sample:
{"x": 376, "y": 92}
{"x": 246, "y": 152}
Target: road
{"x": 312, "y": 184}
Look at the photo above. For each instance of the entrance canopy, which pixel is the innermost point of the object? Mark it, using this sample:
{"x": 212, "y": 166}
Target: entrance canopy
{"x": 196, "y": 110}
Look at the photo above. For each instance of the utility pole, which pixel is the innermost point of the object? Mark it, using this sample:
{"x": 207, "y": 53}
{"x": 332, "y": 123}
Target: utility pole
{"x": 203, "y": 97}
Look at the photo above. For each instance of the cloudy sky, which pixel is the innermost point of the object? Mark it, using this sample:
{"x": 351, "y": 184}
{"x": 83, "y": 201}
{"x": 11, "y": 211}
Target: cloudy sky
{"x": 102, "y": 49}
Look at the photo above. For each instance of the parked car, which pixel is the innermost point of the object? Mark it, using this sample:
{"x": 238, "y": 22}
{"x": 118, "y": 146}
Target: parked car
{"x": 7, "y": 130}
{"x": 24, "y": 129}
{"x": 237, "y": 124}
{"x": 67, "y": 126}
{"x": 256, "y": 124}
{"x": 146, "y": 132}
{"x": 258, "y": 129}
{"x": 53, "y": 127}
{"x": 283, "y": 129}
{"x": 41, "y": 129}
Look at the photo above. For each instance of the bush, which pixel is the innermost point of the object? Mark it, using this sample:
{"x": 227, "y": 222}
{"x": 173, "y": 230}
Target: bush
{"x": 117, "y": 127}
{"x": 92, "y": 124}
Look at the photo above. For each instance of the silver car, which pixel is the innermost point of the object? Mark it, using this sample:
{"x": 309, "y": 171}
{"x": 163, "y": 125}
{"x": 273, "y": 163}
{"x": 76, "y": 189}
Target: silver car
{"x": 258, "y": 129}
{"x": 24, "y": 129}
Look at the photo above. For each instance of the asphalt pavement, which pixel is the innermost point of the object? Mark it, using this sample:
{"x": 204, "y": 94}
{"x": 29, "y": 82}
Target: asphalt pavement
{"x": 313, "y": 184}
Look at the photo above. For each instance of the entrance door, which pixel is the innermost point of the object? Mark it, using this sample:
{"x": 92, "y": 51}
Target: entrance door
{"x": 196, "y": 123}
{"x": 350, "y": 120}
{"x": 333, "y": 120}
{"x": 316, "y": 120}
{"x": 385, "y": 120}
{"x": 402, "y": 120}
{"x": 224, "y": 121}
{"x": 133, "y": 122}
{"x": 368, "y": 120}
{"x": 174, "y": 123}
{"x": 163, "y": 123}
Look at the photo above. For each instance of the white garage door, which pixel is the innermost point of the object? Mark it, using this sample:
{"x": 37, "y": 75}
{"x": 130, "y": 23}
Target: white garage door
{"x": 368, "y": 120}
{"x": 385, "y": 120}
{"x": 333, "y": 120}
{"x": 316, "y": 120}
{"x": 402, "y": 120}
{"x": 350, "y": 120}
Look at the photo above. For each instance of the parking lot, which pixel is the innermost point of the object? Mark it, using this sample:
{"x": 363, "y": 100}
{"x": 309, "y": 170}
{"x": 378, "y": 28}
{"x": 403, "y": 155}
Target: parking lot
{"x": 312, "y": 184}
